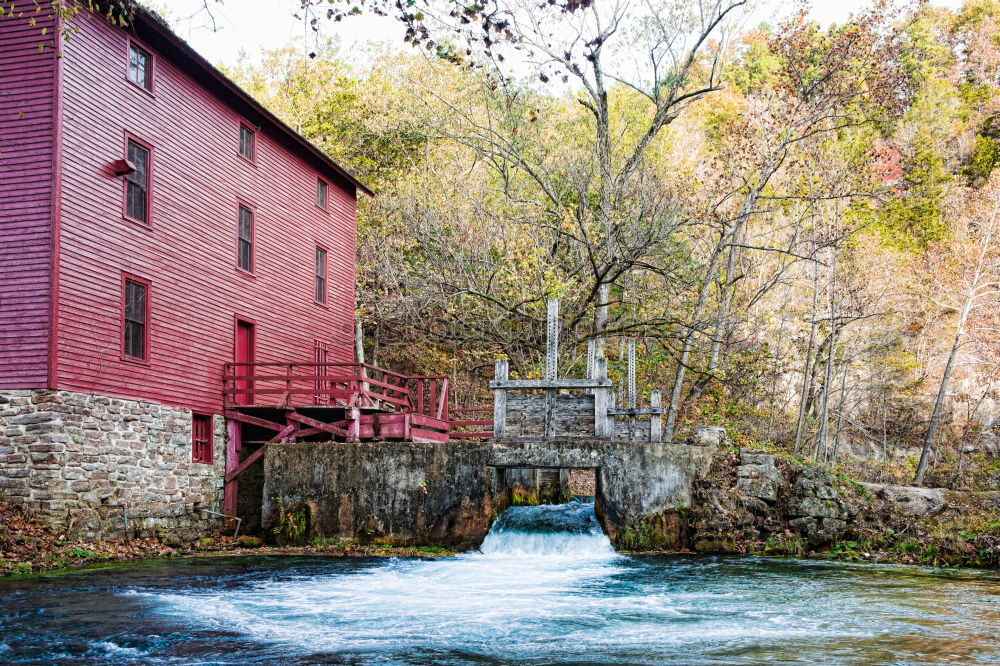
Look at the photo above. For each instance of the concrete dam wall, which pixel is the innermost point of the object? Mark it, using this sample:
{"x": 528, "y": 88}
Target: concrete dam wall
{"x": 449, "y": 494}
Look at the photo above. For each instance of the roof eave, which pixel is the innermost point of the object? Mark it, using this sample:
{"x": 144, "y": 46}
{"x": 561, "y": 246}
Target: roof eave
{"x": 150, "y": 21}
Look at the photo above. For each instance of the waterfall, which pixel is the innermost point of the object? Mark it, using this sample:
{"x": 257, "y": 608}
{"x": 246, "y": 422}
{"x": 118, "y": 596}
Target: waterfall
{"x": 548, "y": 530}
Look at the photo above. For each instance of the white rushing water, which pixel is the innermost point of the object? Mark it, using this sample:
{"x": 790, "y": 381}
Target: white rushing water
{"x": 548, "y": 587}
{"x": 531, "y": 568}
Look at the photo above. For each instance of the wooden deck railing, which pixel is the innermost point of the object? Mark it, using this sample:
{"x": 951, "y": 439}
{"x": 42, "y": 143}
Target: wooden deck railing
{"x": 348, "y": 385}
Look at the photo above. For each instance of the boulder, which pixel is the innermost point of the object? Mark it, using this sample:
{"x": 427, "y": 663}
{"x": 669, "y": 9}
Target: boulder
{"x": 814, "y": 507}
{"x": 758, "y": 477}
{"x": 757, "y": 488}
{"x": 819, "y": 475}
{"x": 818, "y": 532}
{"x": 756, "y": 458}
{"x": 708, "y": 436}
{"x": 910, "y": 500}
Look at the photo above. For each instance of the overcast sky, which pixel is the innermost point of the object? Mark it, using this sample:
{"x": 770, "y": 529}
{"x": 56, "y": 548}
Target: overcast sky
{"x": 255, "y": 25}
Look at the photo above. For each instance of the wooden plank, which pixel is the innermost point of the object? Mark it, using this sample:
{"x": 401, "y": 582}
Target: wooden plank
{"x": 254, "y": 457}
{"x": 546, "y": 384}
{"x": 655, "y": 421}
{"x": 253, "y": 420}
{"x": 549, "y": 417}
{"x": 423, "y": 436}
{"x": 499, "y": 399}
{"x": 289, "y": 429}
{"x": 425, "y": 421}
{"x": 603, "y": 423}
{"x": 325, "y": 427}
{"x": 638, "y": 411}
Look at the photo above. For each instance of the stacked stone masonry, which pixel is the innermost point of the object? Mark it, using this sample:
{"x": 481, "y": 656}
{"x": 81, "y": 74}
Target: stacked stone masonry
{"x": 92, "y": 465}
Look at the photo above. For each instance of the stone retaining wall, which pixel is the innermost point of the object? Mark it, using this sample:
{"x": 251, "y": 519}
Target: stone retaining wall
{"x": 88, "y": 464}
{"x": 406, "y": 493}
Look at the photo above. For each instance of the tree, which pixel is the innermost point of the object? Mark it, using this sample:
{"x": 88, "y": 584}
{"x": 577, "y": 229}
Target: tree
{"x": 966, "y": 284}
{"x": 828, "y": 82}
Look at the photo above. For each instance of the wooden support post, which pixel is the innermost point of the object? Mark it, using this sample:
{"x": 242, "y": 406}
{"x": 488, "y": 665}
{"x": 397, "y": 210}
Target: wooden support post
{"x": 354, "y": 428}
{"x": 552, "y": 342}
{"x": 603, "y": 422}
{"x": 591, "y": 350}
{"x": 631, "y": 389}
{"x": 251, "y": 459}
{"x": 655, "y": 425}
{"x": 631, "y": 374}
{"x": 551, "y": 366}
{"x": 550, "y": 413}
{"x": 500, "y": 400}
{"x": 234, "y": 432}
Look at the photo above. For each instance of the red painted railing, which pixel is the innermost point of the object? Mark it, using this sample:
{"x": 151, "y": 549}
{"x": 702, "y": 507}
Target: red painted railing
{"x": 347, "y": 385}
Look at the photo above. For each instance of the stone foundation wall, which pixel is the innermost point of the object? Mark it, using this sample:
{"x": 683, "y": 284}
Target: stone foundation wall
{"x": 405, "y": 493}
{"x": 89, "y": 464}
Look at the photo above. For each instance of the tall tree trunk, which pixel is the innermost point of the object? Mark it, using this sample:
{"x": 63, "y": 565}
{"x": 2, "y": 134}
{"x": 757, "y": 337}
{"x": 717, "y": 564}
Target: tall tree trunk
{"x": 601, "y": 320}
{"x": 359, "y": 341}
{"x": 824, "y": 423}
{"x": 685, "y": 357}
{"x": 841, "y": 405}
{"x": 932, "y": 427}
{"x": 774, "y": 381}
{"x": 808, "y": 362}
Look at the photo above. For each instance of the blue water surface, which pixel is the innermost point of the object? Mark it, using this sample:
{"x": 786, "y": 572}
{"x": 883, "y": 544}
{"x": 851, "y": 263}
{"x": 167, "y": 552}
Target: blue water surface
{"x": 550, "y": 595}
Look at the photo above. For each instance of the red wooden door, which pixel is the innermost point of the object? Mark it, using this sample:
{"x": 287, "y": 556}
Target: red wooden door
{"x": 244, "y": 354}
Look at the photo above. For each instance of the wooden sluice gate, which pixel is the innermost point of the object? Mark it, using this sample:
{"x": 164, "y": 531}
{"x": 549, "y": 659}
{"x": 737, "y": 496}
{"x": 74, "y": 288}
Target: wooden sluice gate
{"x": 554, "y": 408}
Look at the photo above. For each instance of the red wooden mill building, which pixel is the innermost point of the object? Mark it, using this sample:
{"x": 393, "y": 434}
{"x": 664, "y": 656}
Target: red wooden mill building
{"x": 176, "y": 282}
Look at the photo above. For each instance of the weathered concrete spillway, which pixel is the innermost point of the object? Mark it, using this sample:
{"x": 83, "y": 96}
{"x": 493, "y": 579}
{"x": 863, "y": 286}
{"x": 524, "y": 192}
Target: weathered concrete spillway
{"x": 449, "y": 493}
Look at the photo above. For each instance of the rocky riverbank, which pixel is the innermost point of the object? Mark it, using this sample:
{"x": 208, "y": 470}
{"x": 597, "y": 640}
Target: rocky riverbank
{"x": 28, "y": 547}
{"x": 753, "y": 502}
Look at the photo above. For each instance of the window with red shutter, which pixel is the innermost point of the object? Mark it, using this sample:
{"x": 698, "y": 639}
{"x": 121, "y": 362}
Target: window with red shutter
{"x": 201, "y": 439}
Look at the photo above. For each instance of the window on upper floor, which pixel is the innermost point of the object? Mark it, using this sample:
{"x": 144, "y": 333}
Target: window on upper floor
{"x": 140, "y": 71}
{"x": 248, "y": 140}
{"x": 322, "y": 196}
{"x": 244, "y": 242}
{"x": 320, "y": 275}
{"x": 135, "y": 316}
{"x": 137, "y": 183}
{"x": 201, "y": 439}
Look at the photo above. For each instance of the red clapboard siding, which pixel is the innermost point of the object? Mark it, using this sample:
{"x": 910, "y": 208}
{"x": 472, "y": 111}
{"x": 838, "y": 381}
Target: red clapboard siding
{"x": 188, "y": 251}
{"x": 27, "y": 140}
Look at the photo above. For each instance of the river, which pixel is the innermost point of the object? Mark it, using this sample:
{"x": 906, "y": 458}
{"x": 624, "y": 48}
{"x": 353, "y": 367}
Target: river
{"x": 546, "y": 588}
